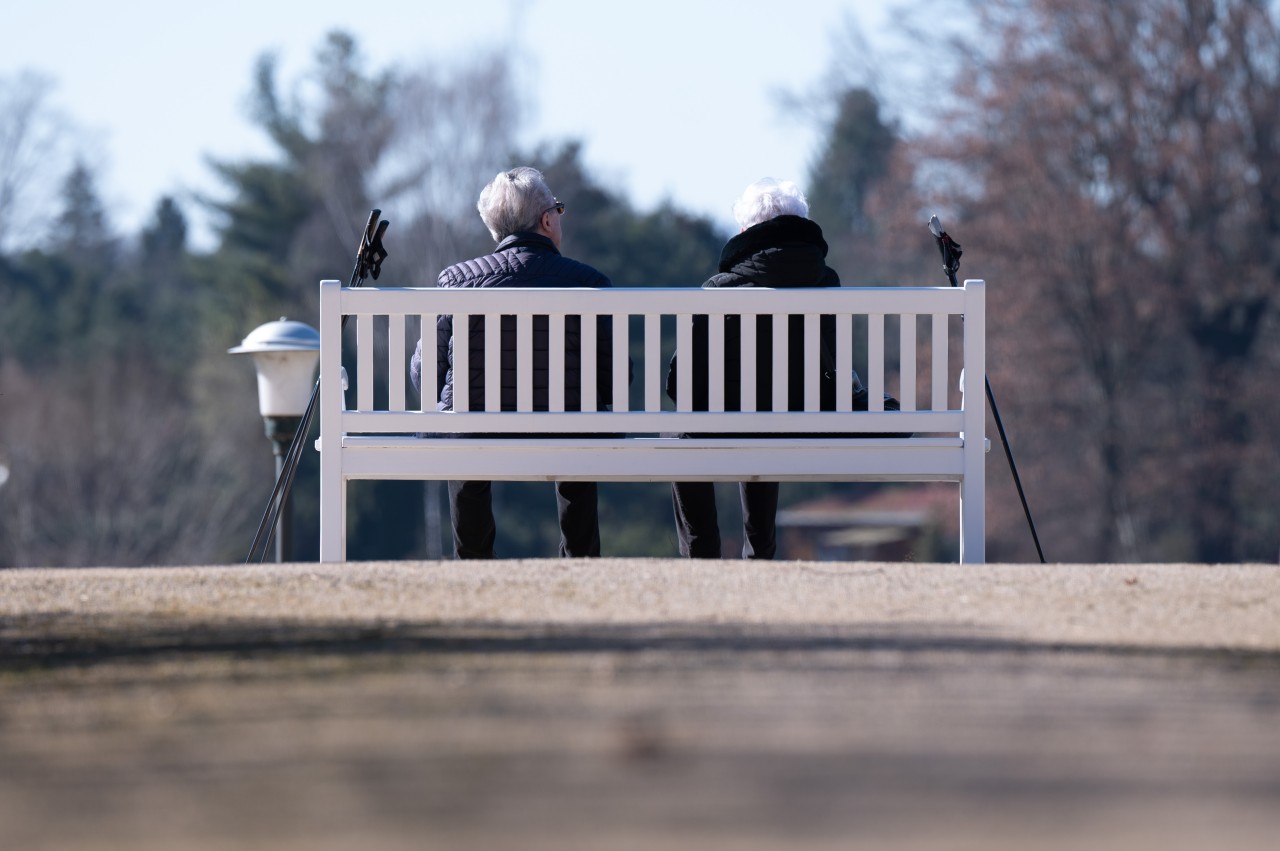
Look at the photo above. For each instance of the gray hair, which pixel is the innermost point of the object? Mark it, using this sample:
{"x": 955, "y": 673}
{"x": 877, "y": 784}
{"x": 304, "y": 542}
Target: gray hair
{"x": 767, "y": 199}
{"x": 514, "y": 201}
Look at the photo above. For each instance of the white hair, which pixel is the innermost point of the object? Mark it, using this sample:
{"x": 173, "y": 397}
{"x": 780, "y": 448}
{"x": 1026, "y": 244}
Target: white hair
{"x": 514, "y": 201}
{"x": 767, "y": 199}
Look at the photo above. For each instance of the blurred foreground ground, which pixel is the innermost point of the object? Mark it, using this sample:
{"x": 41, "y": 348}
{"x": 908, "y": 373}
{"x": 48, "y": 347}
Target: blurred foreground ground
{"x": 641, "y": 704}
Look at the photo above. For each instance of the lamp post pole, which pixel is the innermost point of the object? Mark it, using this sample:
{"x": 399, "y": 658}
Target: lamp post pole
{"x": 285, "y": 354}
{"x": 280, "y": 431}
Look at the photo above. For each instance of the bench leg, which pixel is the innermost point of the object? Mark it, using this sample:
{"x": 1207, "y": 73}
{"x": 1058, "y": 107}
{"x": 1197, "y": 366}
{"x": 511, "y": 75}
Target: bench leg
{"x": 333, "y": 519}
{"x": 973, "y": 521}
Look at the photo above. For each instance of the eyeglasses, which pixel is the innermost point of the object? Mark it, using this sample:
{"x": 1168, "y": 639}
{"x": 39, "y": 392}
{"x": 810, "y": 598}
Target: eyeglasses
{"x": 558, "y": 206}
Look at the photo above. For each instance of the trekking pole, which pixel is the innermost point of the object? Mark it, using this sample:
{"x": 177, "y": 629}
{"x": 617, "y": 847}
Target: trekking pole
{"x": 950, "y": 265}
{"x": 369, "y": 257}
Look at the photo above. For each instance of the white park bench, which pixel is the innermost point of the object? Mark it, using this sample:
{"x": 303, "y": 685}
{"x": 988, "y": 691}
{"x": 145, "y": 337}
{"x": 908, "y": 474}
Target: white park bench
{"x": 380, "y": 441}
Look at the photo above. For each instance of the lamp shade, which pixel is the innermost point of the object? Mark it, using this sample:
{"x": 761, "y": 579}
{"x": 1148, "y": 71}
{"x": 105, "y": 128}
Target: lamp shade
{"x": 285, "y": 354}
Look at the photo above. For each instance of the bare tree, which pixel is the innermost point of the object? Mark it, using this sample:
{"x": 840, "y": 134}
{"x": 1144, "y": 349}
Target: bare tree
{"x": 32, "y": 137}
{"x": 455, "y": 128}
{"x": 1120, "y": 166}
{"x": 107, "y": 467}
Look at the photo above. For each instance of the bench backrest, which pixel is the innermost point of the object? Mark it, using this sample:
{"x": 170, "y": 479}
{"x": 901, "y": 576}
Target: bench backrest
{"x": 912, "y": 342}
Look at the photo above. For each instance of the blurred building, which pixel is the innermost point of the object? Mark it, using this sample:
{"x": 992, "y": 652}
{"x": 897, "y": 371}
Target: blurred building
{"x": 912, "y": 522}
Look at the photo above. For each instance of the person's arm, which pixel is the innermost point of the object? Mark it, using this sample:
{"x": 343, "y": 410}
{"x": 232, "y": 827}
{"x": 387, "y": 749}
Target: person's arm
{"x": 444, "y": 352}
{"x": 444, "y": 344}
{"x": 415, "y": 367}
{"x": 673, "y": 385}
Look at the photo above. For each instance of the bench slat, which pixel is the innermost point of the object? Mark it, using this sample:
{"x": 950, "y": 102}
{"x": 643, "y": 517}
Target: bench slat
{"x": 395, "y": 363}
{"x": 812, "y": 363}
{"x": 715, "y": 365}
{"x": 461, "y": 363}
{"x": 365, "y": 345}
{"x": 555, "y": 362}
{"x": 907, "y": 361}
{"x": 430, "y": 393}
{"x": 653, "y": 363}
{"x": 844, "y": 363}
{"x": 492, "y": 362}
{"x": 524, "y": 362}
{"x": 781, "y": 324}
{"x": 875, "y": 362}
{"x": 684, "y": 363}
{"x": 748, "y": 362}
{"x": 621, "y": 347}
{"x": 939, "y": 353}
{"x": 589, "y": 328}
{"x": 667, "y": 300}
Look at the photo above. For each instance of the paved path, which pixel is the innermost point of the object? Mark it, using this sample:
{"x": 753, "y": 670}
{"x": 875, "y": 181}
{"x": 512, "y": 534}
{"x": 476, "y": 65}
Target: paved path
{"x": 641, "y": 704}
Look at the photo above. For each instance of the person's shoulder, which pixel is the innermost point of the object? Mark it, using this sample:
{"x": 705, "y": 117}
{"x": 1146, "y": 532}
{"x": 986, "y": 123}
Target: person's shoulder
{"x": 468, "y": 272}
{"x": 589, "y": 276}
{"x": 449, "y": 277}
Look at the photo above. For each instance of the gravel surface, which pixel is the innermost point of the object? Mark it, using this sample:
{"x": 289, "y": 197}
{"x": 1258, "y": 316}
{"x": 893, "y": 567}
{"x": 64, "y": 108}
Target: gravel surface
{"x": 644, "y": 704}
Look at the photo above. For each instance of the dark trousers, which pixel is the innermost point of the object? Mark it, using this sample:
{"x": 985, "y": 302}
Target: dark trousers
{"x": 698, "y": 526}
{"x": 474, "y": 530}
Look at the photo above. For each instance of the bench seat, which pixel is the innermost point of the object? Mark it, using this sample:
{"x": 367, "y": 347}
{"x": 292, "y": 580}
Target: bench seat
{"x": 655, "y": 459}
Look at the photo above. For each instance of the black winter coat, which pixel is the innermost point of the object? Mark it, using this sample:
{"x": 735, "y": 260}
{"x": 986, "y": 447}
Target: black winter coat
{"x": 521, "y": 260}
{"x": 787, "y": 251}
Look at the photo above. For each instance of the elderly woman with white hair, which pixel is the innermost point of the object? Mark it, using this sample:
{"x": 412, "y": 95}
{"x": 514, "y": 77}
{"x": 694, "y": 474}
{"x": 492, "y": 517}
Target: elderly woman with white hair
{"x": 778, "y": 246}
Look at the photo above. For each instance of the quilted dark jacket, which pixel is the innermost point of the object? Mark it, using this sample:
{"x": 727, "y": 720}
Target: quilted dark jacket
{"x": 521, "y": 260}
{"x": 787, "y": 251}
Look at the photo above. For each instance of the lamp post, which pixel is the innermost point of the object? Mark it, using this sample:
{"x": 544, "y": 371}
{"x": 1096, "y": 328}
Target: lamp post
{"x": 285, "y": 354}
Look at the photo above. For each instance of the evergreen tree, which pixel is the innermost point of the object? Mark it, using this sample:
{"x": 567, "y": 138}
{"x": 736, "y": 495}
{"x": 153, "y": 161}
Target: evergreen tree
{"x": 81, "y": 231}
{"x": 855, "y": 156}
{"x": 165, "y": 293}
{"x": 165, "y": 239}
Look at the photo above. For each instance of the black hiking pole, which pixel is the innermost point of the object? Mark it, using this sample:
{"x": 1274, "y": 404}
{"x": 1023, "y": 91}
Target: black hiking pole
{"x": 951, "y": 264}
{"x": 369, "y": 257}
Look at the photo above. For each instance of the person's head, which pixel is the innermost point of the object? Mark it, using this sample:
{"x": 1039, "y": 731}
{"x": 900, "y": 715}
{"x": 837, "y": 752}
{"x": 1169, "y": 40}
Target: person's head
{"x": 767, "y": 199}
{"x": 519, "y": 200}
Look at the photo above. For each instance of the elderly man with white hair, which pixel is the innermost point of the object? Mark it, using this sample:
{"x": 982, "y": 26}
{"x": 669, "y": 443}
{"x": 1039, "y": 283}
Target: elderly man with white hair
{"x": 778, "y": 246}
{"x": 524, "y": 218}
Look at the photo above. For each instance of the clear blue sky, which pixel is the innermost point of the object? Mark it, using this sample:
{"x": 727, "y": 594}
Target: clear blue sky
{"x": 673, "y": 98}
